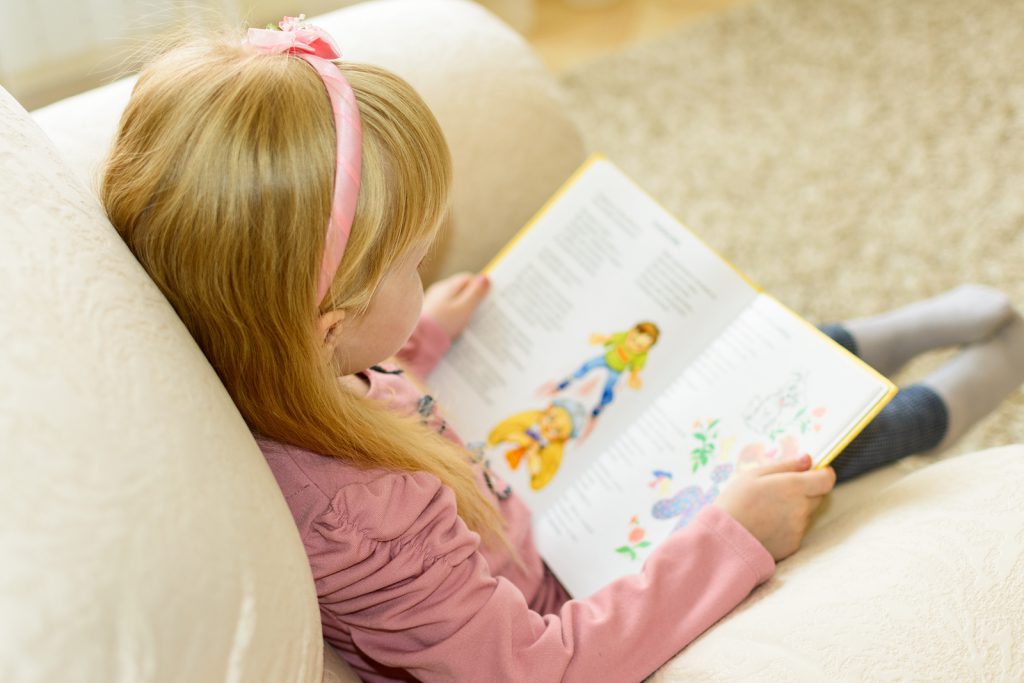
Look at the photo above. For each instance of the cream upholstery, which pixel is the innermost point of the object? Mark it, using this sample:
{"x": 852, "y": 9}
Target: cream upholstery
{"x": 144, "y": 537}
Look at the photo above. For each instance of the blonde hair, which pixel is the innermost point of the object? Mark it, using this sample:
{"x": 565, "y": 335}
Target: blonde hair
{"x": 220, "y": 181}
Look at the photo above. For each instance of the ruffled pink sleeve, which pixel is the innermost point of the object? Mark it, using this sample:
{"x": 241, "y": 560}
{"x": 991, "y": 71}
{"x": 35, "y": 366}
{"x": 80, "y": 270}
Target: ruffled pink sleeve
{"x": 428, "y": 343}
{"x": 402, "y": 583}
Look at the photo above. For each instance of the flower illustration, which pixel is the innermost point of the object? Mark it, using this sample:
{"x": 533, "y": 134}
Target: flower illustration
{"x": 636, "y": 539}
{"x": 706, "y": 435}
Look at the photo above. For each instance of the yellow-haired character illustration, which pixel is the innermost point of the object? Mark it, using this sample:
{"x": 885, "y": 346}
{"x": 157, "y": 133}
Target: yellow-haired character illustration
{"x": 539, "y": 436}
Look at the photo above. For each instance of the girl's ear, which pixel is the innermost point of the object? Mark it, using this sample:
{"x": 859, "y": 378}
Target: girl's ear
{"x": 328, "y": 330}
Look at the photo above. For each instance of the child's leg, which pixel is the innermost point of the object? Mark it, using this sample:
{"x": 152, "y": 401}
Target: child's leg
{"x": 591, "y": 364}
{"x": 977, "y": 380}
{"x": 964, "y": 315}
{"x": 608, "y": 395}
{"x": 937, "y": 411}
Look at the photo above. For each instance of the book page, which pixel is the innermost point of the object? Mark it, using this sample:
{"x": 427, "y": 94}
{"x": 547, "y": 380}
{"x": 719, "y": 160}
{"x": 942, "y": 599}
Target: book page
{"x": 598, "y": 308}
{"x": 770, "y": 387}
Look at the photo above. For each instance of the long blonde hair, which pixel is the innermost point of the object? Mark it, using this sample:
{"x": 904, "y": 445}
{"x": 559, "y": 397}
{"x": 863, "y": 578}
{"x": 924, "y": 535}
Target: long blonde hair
{"x": 220, "y": 181}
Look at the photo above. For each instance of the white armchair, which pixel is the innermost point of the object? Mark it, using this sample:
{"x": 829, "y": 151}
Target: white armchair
{"x": 143, "y": 536}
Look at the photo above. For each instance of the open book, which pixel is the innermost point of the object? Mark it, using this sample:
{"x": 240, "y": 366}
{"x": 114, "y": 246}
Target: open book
{"x": 620, "y": 372}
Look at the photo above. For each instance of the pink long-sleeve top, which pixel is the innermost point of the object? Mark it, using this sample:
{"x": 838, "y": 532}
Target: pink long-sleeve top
{"x": 408, "y": 592}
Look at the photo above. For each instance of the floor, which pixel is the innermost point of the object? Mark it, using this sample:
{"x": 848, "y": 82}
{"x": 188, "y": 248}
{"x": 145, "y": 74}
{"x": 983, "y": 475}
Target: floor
{"x": 568, "y": 33}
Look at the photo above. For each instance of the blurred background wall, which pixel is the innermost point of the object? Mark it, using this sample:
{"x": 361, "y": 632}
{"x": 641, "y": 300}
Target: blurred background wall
{"x": 50, "y": 49}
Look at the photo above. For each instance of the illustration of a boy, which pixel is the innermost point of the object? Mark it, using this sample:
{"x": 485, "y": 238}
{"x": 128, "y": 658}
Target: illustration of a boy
{"x": 623, "y": 351}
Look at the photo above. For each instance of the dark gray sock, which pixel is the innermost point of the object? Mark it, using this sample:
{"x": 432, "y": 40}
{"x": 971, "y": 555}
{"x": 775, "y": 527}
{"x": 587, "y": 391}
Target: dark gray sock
{"x": 916, "y": 420}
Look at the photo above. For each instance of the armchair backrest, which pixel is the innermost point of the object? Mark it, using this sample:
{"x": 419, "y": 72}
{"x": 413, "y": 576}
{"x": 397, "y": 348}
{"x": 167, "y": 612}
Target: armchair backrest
{"x": 143, "y": 535}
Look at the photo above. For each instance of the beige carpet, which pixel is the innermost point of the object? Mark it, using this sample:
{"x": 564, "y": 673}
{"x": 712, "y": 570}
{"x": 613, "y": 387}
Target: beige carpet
{"x": 849, "y": 155}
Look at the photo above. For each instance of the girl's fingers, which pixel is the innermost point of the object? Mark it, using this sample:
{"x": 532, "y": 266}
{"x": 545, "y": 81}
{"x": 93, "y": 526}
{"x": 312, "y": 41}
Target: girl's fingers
{"x": 819, "y": 482}
{"x": 814, "y": 503}
{"x": 458, "y": 283}
{"x": 795, "y": 465}
{"x": 475, "y": 287}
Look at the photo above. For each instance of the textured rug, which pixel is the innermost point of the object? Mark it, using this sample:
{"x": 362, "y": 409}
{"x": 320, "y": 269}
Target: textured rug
{"x": 850, "y": 156}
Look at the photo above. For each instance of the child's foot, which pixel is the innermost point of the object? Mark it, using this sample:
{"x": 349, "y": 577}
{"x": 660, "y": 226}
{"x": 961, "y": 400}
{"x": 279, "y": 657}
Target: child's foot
{"x": 587, "y": 431}
{"x": 965, "y": 315}
{"x": 977, "y": 380}
{"x": 548, "y": 389}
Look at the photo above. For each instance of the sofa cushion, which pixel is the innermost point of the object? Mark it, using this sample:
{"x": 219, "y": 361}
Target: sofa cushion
{"x": 924, "y": 581}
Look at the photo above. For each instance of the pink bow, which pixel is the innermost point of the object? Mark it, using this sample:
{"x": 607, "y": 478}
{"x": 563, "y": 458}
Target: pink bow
{"x": 317, "y": 48}
{"x": 295, "y": 36}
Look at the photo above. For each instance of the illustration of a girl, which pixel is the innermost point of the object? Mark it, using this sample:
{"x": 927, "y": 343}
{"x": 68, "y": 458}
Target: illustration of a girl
{"x": 539, "y": 437}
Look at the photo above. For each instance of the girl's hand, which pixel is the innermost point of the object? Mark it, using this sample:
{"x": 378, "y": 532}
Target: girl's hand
{"x": 775, "y": 502}
{"x": 452, "y": 301}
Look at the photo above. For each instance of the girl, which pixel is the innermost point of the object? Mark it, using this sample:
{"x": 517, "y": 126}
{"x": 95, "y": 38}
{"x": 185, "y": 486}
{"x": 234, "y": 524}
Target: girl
{"x": 282, "y": 203}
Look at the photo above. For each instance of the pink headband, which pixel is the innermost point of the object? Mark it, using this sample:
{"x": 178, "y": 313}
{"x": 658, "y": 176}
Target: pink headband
{"x": 316, "y": 47}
